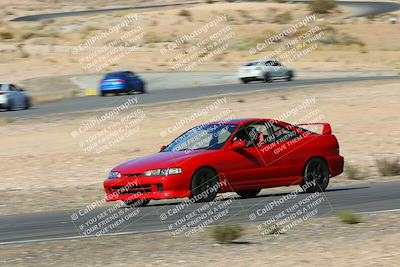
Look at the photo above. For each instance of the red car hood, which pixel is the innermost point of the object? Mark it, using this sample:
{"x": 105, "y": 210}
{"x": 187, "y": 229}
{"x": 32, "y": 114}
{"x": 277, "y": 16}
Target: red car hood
{"x": 159, "y": 160}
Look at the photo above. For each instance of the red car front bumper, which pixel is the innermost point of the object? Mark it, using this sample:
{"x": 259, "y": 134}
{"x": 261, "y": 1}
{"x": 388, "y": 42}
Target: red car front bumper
{"x": 158, "y": 187}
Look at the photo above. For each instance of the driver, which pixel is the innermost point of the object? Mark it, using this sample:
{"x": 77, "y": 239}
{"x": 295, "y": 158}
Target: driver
{"x": 249, "y": 134}
{"x": 252, "y": 137}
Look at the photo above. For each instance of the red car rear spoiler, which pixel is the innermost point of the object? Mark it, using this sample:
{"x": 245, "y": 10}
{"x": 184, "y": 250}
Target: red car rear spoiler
{"x": 326, "y": 127}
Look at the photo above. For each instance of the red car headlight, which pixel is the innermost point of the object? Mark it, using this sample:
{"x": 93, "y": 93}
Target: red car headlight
{"x": 163, "y": 172}
{"x": 114, "y": 175}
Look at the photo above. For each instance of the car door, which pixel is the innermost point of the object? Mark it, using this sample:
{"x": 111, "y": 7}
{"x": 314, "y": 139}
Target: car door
{"x": 21, "y": 95}
{"x": 269, "y": 68}
{"x": 133, "y": 81}
{"x": 249, "y": 166}
{"x": 292, "y": 147}
{"x": 279, "y": 70}
{"x": 273, "y": 164}
{"x": 13, "y": 96}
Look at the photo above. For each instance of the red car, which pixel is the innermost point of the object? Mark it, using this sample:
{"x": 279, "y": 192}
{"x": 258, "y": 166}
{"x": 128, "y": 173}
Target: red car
{"x": 241, "y": 156}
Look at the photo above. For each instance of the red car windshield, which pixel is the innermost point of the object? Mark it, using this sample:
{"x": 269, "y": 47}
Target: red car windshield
{"x": 203, "y": 137}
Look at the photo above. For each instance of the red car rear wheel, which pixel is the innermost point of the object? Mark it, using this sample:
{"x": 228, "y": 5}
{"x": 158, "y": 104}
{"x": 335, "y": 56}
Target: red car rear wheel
{"x": 316, "y": 176}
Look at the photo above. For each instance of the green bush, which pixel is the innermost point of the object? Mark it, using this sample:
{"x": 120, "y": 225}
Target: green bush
{"x": 388, "y": 167}
{"x": 330, "y": 38}
{"x": 226, "y": 233}
{"x": 6, "y": 35}
{"x": 362, "y": 49}
{"x": 352, "y": 172}
{"x": 283, "y": 18}
{"x": 348, "y": 217}
{"x": 347, "y": 39}
{"x": 6, "y": 120}
{"x": 371, "y": 16}
{"x": 322, "y": 6}
{"x": 26, "y": 35}
{"x": 184, "y": 13}
{"x": 24, "y": 54}
{"x": 273, "y": 229}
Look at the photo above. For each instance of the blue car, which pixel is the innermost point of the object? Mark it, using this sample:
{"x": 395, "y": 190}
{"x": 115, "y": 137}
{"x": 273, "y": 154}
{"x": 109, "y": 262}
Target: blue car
{"x": 121, "y": 82}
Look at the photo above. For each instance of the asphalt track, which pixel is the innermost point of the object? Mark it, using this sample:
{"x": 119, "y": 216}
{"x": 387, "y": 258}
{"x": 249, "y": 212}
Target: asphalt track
{"x": 97, "y": 11}
{"x": 86, "y": 104}
{"x": 374, "y": 197}
{"x": 358, "y": 9}
{"x": 364, "y": 8}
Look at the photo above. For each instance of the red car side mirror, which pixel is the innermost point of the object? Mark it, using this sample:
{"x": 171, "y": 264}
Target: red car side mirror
{"x": 238, "y": 145}
{"x": 162, "y": 148}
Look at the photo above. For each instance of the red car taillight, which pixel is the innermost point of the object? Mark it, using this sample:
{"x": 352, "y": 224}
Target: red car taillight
{"x": 337, "y": 146}
{"x": 120, "y": 81}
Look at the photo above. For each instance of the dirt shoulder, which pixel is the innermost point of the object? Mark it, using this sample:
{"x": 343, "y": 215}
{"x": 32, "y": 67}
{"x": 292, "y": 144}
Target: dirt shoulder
{"x": 317, "y": 242}
{"x": 50, "y": 165}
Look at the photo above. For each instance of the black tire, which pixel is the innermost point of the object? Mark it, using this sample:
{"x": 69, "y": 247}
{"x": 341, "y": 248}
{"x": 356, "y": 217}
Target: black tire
{"x": 102, "y": 94}
{"x": 202, "y": 183}
{"x": 137, "y": 203}
{"x": 27, "y": 103}
{"x": 267, "y": 77}
{"x": 290, "y": 76}
{"x": 10, "y": 105}
{"x": 248, "y": 193}
{"x": 244, "y": 80}
{"x": 317, "y": 172}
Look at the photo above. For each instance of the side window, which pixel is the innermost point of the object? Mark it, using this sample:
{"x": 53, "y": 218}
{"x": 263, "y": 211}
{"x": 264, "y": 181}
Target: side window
{"x": 254, "y": 135}
{"x": 283, "y": 134}
{"x": 268, "y": 63}
{"x": 13, "y": 88}
{"x": 223, "y": 135}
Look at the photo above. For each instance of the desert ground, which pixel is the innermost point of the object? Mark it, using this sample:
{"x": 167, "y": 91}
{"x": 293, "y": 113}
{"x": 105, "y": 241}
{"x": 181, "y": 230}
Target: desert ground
{"x": 373, "y": 242}
{"x": 47, "y": 160}
{"x": 58, "y": 162}
{"x": 43, "y": 48}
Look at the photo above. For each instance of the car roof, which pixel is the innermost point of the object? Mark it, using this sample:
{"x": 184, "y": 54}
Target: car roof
{"x": 239, "y": 121}
{"x": 264, "y": 60}
{"x": 261, "y": 61}
{"x": 119, "y": 72}
{"x": 255, "y": 61}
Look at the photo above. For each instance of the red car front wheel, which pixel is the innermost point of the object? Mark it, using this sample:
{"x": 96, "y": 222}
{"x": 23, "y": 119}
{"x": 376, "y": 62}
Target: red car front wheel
{"x": 204, "y": 185}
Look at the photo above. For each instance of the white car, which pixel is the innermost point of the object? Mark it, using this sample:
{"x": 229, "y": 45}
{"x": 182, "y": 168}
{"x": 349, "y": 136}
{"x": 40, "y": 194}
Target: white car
{"x": 13, "y": 97}
{"x": 264, "y": 71}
